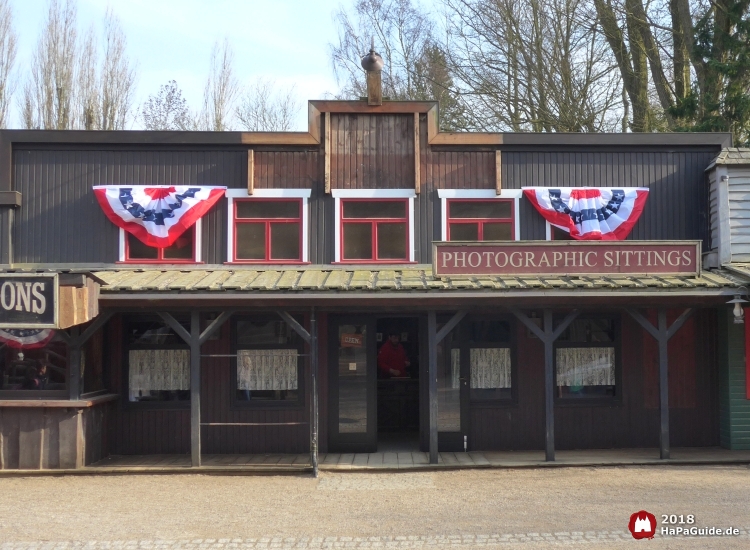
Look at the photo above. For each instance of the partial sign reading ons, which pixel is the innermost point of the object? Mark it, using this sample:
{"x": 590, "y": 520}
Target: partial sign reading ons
{"x": 28, "y": 301}
{"x": 567, "y": 258}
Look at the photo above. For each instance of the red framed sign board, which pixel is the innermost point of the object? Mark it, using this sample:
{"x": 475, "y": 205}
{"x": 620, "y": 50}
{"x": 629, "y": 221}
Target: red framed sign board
{"x": 539, "y": 258}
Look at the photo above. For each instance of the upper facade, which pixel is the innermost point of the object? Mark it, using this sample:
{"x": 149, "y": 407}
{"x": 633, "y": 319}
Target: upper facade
{"x": 365, "y": 185}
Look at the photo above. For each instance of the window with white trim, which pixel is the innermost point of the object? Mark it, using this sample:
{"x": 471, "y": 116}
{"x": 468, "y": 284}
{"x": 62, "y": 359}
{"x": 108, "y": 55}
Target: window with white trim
{"x": 269, "y": 226}
{"x": 479, "y": 215}
{"x": 185, "y": 250}
{"x": 374, "y": 225}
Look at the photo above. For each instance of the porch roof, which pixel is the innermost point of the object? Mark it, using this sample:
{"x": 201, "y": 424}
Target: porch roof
{"x": 326, "y": 278}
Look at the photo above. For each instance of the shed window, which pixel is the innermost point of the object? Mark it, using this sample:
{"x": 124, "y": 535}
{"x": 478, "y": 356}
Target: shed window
{"x": 182, "y": 251}
{"x": 375, "y": 230}
{"x": 480, "y": 220}
{"x": 586, "y": 359}
{"x": 158, "y": 362}
{"x": 267, "y": 230}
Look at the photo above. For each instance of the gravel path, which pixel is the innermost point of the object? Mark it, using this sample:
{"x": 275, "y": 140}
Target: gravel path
{"x": 470, "y": 508}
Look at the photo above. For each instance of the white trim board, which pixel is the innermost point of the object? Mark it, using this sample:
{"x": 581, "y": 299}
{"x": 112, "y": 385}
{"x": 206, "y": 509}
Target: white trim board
{"x": 339, "y": 194}
{"x": 445, "y": 194}
{"x": 303, "y": 194}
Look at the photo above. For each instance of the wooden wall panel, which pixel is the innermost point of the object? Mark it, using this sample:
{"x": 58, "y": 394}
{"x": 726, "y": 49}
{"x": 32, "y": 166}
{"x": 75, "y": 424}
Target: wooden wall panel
{"x": 167, "y": 431}
{"x": 286, "y": 169}
{"x": 632, "y": 422}
{"x": 372, "y": 151}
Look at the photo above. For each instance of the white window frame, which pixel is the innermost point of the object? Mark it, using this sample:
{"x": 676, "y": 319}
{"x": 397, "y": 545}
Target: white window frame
{"x": 233, "y": 194}
{"x": 445, "y": 194}
{"x": 198, "y": 246}
{"x": 339, "y": 194}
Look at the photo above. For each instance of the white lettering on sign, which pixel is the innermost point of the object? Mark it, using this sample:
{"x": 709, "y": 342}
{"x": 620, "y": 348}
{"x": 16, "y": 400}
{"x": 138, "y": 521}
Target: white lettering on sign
{"x": 26, "y": 297}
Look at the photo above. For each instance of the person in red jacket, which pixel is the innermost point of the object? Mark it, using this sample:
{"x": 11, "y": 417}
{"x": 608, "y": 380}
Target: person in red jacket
{"x": 392, "y": 360}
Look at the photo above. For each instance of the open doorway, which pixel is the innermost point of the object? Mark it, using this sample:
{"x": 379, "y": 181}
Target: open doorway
{"x": 397, "y": 341}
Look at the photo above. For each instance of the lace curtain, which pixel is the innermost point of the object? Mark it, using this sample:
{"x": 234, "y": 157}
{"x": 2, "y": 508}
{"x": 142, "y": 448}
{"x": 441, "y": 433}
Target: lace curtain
{"x": 585, "y": 366}
{"x": 267, "y": 369}
{"x": 490, "y": 368}
{"x": 158, "y": 369}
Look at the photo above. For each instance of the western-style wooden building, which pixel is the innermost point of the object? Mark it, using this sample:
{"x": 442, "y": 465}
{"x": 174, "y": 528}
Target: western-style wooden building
{"x": 258, "y": 330}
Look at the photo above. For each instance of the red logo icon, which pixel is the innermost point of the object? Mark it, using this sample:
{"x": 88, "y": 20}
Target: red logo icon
{"x": 642, "y": 525}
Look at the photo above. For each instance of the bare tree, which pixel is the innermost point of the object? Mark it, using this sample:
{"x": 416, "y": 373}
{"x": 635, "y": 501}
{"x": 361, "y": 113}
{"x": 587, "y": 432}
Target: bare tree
{"x": 264, "y": 108}
{"x": 117, "y": 77}
{"x": 401, "y": 30}
{"x": 87, "y": 95}
{"x": 532, "y": 65}
{"x": 8, "y": 48}
{"x": 221, "y": 90}
{"x": 48, "y": 96}
{"x": 415, "y": 67}
{"x": 167, "y": 110}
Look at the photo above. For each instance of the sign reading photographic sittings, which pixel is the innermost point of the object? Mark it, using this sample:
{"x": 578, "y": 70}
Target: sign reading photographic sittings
{"x": 28, "y": 301}
{"x": 539, "y": 258}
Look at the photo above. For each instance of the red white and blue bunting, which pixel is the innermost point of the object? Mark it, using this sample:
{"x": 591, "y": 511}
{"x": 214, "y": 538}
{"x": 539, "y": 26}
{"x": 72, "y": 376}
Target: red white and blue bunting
{"x": 587, "y": 213}
{"x": 22, "y": 338}
{"x": 158, "y": 214}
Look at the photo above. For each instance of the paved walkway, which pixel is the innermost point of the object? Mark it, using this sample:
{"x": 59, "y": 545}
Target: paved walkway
{"x": 418, "y": 460}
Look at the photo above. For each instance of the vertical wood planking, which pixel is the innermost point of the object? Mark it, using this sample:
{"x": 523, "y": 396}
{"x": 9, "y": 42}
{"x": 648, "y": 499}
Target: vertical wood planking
{"x": 250, "y": 171}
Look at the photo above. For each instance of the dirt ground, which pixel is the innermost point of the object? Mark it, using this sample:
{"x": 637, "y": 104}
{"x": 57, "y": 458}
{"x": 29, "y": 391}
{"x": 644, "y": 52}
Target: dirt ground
{"x": 467, "y": 502}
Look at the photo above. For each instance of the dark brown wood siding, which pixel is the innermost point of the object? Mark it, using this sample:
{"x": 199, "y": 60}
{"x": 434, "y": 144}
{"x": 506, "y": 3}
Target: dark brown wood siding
{"x": 631, "y": 422}
{"x": 674, "y": 209}
{"x": 372, "y": 151}
{"x": 286, "y": 169}
{"x": 167, "y": 431}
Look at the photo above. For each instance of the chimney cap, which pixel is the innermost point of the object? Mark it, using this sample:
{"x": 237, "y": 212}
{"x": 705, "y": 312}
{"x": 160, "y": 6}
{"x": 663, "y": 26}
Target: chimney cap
{"x": 372, "y": 61}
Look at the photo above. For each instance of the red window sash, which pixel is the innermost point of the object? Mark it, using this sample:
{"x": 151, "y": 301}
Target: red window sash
{"x": 160, "y": 259}
{"x": 267, "y": 227}
{"x": 374, "y": 232}
{"x": 481, "y": 221}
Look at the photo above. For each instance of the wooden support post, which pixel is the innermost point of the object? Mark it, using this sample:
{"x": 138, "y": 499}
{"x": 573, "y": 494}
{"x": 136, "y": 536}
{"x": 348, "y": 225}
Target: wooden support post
{"x": 74, "y": 368}
{"x": 327, "y": 152}
{"x": 195, "y": 388}
{"x": 314, "y": 391}
{"x": 498, "y": 172}
{"x": 250, "y": 171}
{"x": 432, "y": 384}
{"x": 417, "y": 164}
{"x": 548, "y": 334}
{"x": 662, "y": 334}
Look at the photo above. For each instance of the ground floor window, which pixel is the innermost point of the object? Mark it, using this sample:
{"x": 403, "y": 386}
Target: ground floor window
{"x": 268, "y": 364}
{"x": 157, "y": 362}
{"x": 586, "y": 359}
{"x": 33, "y": 362}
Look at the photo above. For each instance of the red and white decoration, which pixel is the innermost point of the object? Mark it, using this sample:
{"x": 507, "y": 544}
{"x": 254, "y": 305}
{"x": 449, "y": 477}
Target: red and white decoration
{"x": 157, "y": 215}
{"x": 26, "y": 338}
{"x": 587, "y": 213}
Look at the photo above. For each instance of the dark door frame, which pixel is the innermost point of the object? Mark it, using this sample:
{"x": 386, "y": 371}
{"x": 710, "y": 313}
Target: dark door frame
{"x": 357, "y": 442}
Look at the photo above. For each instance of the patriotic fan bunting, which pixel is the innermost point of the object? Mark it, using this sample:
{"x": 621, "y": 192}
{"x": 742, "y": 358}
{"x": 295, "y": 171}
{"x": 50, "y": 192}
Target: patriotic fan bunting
{"x": 26, "y": 338}
{"x": 593, "y": 214}
{"x": 156, "y": 215}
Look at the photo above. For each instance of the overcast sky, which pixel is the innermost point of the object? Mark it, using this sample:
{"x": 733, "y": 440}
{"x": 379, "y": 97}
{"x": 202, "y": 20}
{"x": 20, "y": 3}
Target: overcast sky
{"x": 285, "y": 40}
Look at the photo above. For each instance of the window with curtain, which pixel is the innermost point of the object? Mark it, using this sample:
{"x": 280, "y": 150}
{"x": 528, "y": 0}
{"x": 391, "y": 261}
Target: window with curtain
{"x": 158, "y": 363}
{"x": 268, "y": 364}
{"x": 586, "y": 359}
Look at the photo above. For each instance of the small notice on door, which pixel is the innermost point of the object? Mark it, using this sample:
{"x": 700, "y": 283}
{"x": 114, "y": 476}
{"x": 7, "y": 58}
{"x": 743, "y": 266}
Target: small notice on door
{"x": 352, "y": 366}
{"x": 351, "y": 340}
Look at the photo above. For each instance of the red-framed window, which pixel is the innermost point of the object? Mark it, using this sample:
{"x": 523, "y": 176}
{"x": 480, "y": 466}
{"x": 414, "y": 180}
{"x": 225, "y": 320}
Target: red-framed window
{"x": 557, "y": 234}
{"x": 480, "y": 220}
{"x": 267, "y": 230}
{"x": 374, "y": 230}
{"x": 182, "y": 251}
